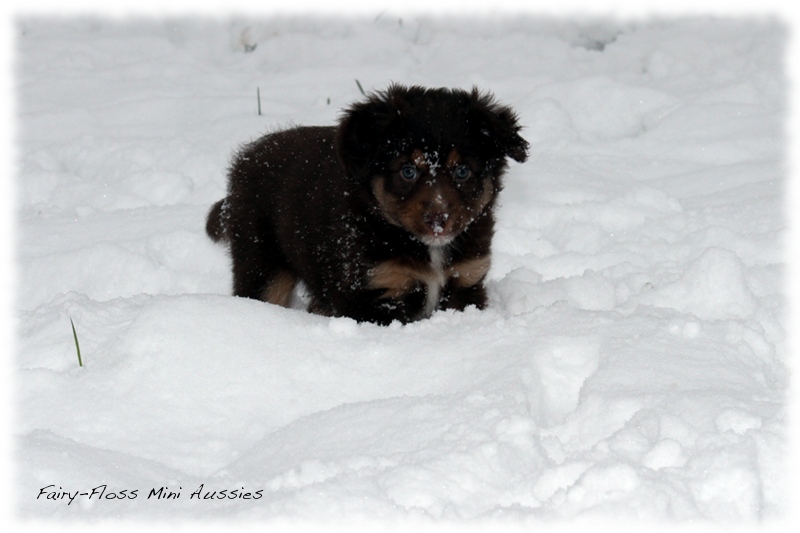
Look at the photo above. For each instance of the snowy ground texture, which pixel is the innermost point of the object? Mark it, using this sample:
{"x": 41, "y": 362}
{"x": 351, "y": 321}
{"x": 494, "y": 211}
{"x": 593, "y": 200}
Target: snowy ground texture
{"x": 631, "y": 362}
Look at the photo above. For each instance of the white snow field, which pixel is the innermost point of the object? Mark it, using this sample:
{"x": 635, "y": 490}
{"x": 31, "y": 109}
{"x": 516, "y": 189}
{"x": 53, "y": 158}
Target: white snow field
{"x": 631, "y": 364}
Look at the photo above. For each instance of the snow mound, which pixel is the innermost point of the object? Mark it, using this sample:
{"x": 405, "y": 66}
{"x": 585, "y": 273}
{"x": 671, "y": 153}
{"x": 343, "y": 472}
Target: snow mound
{"x": 712, "y": 287}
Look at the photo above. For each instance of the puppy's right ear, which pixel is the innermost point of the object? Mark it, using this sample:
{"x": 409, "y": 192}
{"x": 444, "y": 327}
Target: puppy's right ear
{"x": 364, "y": 130}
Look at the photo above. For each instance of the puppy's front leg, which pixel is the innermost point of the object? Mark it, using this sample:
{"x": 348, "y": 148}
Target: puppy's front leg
{"x": 374, "y": 306}
{"x": 458, "y": 297}
{"x": 465, "y": 284}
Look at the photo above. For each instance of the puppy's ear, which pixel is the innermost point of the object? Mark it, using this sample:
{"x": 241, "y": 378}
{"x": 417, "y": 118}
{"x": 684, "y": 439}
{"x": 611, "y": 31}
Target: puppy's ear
{"x": 500, "y": 124}
{"x": 364, "y": 129}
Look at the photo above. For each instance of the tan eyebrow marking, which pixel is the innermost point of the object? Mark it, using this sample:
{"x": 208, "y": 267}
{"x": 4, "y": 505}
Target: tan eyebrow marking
{"x": 453, "y": 159}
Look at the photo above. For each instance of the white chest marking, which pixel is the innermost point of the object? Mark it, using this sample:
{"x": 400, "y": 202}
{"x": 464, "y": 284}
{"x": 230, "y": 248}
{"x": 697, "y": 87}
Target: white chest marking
{"x": 436, "y": 283}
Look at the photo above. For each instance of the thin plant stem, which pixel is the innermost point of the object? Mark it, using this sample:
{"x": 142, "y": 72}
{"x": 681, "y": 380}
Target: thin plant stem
{"x": 77, "y": 344}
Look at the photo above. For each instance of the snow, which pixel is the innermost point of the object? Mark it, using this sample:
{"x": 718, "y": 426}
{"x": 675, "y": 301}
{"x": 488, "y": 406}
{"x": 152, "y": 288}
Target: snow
{"x": 632, "y": 362}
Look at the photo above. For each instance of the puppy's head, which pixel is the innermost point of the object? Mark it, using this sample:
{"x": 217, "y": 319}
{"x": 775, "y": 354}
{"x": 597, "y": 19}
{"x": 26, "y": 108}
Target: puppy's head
{"x": 431, "y": 159}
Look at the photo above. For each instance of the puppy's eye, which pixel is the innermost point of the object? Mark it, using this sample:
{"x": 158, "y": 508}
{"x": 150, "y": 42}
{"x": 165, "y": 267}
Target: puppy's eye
{"x": 462, "y": 172}
{"x": 408, "y": 172}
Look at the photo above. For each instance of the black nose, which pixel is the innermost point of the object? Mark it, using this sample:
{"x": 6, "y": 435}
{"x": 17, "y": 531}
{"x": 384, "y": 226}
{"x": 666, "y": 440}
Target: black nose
{"x": 436, "y": 221}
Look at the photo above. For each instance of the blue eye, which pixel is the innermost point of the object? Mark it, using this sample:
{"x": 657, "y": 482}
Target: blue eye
{"x": 409, "y": 172}
{"x": 462, "y": 172}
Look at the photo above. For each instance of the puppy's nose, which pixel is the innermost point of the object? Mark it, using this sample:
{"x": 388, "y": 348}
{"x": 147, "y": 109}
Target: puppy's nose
{"x": 436, "y": 221}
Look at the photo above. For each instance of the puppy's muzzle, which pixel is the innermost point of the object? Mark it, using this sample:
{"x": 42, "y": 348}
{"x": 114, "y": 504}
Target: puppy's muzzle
{"x": 436, "y": 222}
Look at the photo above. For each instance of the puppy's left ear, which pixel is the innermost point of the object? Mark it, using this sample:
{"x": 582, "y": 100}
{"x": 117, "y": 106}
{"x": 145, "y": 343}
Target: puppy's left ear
{"x": 362, "y": 127}
{"x": 500, "y": 123}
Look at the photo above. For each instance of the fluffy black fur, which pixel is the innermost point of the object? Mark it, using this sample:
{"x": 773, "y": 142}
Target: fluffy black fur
{"x": 387, "y": 216}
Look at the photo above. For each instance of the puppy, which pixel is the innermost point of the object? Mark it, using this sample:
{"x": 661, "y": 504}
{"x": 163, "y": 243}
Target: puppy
{"x": 387, "y": 216}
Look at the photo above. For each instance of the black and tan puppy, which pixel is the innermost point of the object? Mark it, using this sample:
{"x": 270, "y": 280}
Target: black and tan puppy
{"x": 387, "y": 216}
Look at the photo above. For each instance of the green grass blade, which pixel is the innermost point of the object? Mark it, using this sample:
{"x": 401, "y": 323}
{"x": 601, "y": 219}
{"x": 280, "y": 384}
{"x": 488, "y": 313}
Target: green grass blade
{"x": 77, "y": 345}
